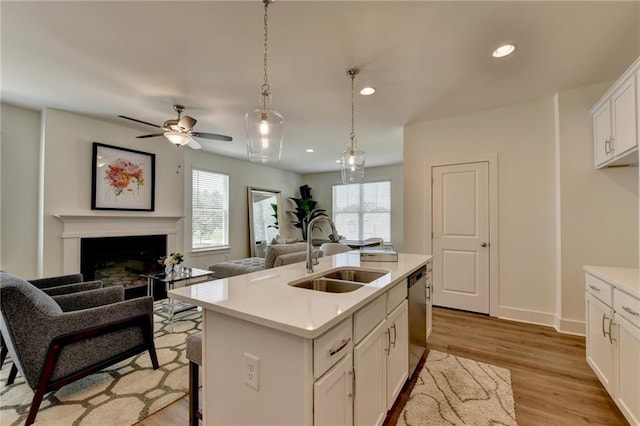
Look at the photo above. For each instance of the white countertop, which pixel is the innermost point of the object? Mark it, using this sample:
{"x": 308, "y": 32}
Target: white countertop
{"x": 265, "y": 298}
{"x": 627, "y": 279}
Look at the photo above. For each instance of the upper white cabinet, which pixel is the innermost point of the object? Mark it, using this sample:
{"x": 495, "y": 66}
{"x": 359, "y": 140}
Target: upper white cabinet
{"x": 616, "y": 121}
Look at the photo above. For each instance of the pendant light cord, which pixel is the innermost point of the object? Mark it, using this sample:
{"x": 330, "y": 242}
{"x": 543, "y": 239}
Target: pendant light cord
{"x": 352, "y": 72}
{"x": 265, "y": 85}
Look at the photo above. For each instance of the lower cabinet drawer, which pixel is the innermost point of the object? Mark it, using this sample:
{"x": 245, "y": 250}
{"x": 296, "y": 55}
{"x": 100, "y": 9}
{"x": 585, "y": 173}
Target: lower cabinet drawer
{"x": 600, "y": 289}
{"x": 396, "y": 295}
{"x": 332, "y": 346}
{"x": 368, "y": 317}
{"x": 627, "y": 307}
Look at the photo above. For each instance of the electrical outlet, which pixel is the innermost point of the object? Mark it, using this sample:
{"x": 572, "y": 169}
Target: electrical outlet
{"x": 251, "y": 370}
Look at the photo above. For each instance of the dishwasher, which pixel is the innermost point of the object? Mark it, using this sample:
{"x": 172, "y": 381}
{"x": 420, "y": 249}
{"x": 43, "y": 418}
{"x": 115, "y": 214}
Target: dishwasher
{"x": 416, "y": 284}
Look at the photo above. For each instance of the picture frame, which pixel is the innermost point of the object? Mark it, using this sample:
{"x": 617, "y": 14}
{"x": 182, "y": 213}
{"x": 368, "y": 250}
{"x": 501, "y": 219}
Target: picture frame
{"x": 122, "y": 179}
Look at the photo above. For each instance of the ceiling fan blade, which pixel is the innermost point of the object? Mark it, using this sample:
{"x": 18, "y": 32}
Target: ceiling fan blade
{"x": 194, "y": 144}
{"x": 187, "y": 122}
{"x": 150, "y": 136}
{"x": 212, "y": 136}
{"x": 139, "y": 121}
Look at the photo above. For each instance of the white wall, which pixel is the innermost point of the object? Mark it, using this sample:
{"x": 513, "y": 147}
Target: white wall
{"x": 599, "y": 208}
{"x": 19, "y": 147}
{"x": 67, "y": 154}
{"x": 522, "y": 137}
{"x": 321, "y": 190}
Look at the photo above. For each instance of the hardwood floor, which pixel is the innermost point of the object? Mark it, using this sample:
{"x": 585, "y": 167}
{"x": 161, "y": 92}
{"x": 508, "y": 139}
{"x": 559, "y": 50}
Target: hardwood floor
{"x": 552, "y": 382}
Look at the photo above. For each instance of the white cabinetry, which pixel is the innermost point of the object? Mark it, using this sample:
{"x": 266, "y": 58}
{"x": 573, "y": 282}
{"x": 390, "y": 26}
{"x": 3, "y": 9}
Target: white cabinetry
{"x": 429, "y": 290}
{"x": 613, "y": 343}
{"x": 616, "y": 123}
{"x": 381, "y": 358}
{"x": 332, "y": 395}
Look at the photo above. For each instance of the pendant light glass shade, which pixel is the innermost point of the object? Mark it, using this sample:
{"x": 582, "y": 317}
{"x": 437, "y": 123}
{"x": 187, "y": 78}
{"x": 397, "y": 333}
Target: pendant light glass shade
{"x": 352, "y": 159}
{"x": 177, "y": 138}
{"x": 265, "y": 131}
{"x": 352, "y": 165}
{"x": 264, "y": 126}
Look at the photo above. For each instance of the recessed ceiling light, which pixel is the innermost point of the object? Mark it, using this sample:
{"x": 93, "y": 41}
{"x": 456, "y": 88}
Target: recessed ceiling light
{"x": 337, "y": 161}
{"x": 366, "y": 91}
{"x": 504, "y": 50}
{"x": 309, "y": 149}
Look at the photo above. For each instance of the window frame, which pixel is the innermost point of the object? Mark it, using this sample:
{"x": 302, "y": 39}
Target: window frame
{"x": 225, "y": 210}
{"x": 360, "y": 211}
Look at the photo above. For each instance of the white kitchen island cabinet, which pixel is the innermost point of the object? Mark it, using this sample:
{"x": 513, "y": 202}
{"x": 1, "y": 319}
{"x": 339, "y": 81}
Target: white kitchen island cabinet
{"x": 274, "y": 354}
{"x": 613, "y": 334}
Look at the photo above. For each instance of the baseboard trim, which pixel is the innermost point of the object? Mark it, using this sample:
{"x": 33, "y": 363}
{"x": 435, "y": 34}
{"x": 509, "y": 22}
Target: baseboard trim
{"x": 574, "y": 327}
{"x": 525, "y": 315}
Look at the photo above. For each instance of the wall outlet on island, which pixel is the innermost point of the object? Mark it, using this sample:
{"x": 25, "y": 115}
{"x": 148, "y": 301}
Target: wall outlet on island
{"x": 251, "y": 370}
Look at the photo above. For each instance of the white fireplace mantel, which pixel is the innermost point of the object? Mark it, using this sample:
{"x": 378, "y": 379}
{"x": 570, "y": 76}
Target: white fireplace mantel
{"x": 76, "y": 227}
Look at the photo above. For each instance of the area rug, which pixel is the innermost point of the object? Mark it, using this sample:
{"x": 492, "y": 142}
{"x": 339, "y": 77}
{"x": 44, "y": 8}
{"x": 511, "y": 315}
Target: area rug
{"x": 120, "y": 395}
{"x": 451, "y": 390}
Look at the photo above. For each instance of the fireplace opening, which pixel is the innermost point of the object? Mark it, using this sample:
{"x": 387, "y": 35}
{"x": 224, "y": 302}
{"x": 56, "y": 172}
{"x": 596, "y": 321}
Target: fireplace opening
{"x": 121, "y": 260}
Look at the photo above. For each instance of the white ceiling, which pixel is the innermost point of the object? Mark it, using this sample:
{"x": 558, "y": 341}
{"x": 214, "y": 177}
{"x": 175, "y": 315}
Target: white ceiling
{"x": 426, "y": 59}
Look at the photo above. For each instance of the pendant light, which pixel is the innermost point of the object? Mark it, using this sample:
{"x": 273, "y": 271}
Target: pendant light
{"x": 264, "y": 126}
{"x": 352, "y": 159}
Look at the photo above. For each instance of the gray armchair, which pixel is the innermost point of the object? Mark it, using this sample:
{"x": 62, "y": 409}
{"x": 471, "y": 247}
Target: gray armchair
{"x": 56, "y": 340}
{"x": 65, "y": 284}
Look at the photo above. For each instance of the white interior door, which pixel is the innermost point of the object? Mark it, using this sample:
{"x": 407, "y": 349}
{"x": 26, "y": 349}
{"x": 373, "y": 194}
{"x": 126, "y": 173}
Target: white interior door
{"x": 461, "y": 236}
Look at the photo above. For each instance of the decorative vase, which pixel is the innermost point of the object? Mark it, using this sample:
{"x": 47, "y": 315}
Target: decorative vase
{"x": 168, "y": 269}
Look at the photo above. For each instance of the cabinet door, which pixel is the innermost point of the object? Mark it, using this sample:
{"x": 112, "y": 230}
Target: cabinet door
{"x": 370, "y": 366}
{"x": 429, "y": 290}
{"x": 624, "y": 116}
{"x": 332, "y": 395}
{"x": 398, "y": 357}
{"x": 600, "y": 351}
{"x": 628, "y": 360}
{"x": 602, "y": 134}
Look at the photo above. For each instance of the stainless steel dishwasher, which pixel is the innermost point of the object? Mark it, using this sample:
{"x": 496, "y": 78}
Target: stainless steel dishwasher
{"x": 416, "y": 283}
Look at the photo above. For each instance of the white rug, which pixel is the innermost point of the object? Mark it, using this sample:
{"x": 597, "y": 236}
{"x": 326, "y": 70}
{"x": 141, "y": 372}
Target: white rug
{"x": 120, "y": 395}
{"x": 451, "y": 390}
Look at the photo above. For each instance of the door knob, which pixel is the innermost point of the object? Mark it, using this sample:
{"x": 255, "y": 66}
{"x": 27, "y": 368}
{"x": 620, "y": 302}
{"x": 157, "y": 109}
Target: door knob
{"x": 484, "y": 244}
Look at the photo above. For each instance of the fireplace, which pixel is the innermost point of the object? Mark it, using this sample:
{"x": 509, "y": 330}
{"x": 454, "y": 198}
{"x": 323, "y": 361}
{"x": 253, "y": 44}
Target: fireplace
{"x": 121, "y": 260}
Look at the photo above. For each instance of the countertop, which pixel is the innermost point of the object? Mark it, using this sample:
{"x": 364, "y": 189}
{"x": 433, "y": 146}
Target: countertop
{"x": 265, "y": 298}
{"x": 627, "y": 279}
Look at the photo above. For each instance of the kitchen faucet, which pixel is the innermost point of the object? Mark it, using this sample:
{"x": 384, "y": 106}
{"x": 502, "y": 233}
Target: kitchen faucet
{"x": 310, "y": 261}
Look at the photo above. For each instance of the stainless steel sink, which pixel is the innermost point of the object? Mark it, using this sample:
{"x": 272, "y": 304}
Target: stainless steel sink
{"x": 355, "y": 275}
{"x": 327, "y": 285}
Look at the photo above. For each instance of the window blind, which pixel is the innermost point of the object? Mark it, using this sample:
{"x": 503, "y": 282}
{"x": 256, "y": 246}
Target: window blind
{"x": 209, "y": 210}
{"x": 363, "y": 210}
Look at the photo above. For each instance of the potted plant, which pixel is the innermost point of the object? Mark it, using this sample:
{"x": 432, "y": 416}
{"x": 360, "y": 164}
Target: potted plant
{"x": 305, "y": 211}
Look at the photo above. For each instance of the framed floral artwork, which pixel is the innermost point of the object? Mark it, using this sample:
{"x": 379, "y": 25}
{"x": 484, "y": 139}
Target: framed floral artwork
{"x": 122, "y": 179}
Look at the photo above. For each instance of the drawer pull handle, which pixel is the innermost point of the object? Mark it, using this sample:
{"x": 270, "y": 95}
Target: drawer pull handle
{"x": 343, "y": 345}
{"x": 604, "y": 318}
{"x": 631, "y": 311}
{"x": 593, "y": 287}
{"x": 611, "y": 339}
{"x": 394, "y": 335}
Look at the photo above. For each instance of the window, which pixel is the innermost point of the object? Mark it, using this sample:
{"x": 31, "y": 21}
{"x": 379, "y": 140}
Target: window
{"x": 363, "y": 210}
{"x": 209, "y": 210}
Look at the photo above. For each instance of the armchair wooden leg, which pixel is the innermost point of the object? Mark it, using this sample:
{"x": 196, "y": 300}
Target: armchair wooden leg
{"x": 3, "y": 354}
{"x": 194, "y": 396}
{"x": 147, "y": 334}
{"x": 12, "y": 374}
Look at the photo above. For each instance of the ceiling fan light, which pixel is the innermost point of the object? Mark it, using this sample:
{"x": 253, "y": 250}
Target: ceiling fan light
{"x": 177, "y": 138}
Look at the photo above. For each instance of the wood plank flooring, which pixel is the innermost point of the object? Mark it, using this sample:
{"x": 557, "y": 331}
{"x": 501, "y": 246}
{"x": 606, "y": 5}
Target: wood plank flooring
{"x": 552, "y": 382}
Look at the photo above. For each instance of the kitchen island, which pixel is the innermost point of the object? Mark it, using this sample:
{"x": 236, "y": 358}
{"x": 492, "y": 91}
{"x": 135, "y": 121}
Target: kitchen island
{"x": 279, "y": 354}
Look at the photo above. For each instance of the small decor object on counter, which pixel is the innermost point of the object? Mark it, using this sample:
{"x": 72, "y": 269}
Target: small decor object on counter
{"x": 378, "y": 254}
{"x": 172, "y": 262}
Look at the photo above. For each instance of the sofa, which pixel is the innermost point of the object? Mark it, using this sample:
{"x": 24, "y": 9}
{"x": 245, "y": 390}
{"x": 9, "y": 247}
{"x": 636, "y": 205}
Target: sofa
{"x": 276, "y": 255}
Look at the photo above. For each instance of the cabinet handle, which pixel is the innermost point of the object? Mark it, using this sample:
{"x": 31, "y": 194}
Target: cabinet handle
{"x": 606, "y": 147}
{"x": 394, "y": 335}
{"x": 343, "y": 345}
{"x": 604, "y": 317}
{"x": 612, "y": 147}
{"x": 352, "y": 373}
{"x": 611, "y": 339}
{"x": 593, "y": 287}
{"x": 629, "y": 310}
{"x": 428, "y": 289}
{"x": 388, "y": 333}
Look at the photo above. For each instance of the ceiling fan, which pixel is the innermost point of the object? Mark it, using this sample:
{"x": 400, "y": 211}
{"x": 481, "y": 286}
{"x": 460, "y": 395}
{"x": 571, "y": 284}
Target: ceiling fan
{"x": 179, "y": 130}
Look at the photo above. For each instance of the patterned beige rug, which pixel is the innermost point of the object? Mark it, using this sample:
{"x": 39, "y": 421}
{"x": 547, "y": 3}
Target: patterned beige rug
{"x": 451, "y": 390}
{"x": 120, "y": 395}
